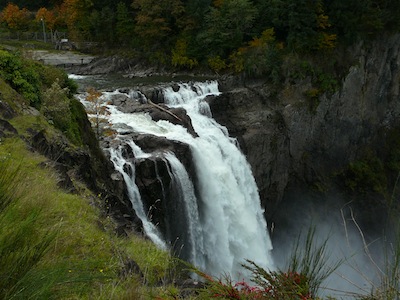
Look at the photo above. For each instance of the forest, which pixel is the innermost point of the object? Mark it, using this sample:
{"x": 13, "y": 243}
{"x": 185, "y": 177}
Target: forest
{"x": 239, "y": 35}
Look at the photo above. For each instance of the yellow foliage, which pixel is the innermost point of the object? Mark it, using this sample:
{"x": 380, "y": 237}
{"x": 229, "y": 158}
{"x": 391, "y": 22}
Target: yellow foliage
{"x": 323, "y": 21}
{"x": 327, "y": 41}
{"x": 47, "y": 16}
{"x": 216, "y": 63}
{"x": 179, "y": 55}
{"x": 92, "y": 94}
{"x": 237, "y": 61}
{"x": 15, "y": 17}
{"x": 267, "y": 36}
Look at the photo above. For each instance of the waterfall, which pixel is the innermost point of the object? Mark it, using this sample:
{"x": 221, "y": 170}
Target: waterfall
{"x": 129, "y": 177}
{"x": 225, "y": 221}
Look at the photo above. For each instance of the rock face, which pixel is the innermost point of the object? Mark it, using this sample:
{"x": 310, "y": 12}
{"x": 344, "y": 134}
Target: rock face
{"x": 90, "y": 166}
{"x": 160, "y": 195}
{"x": 286, "y": 141}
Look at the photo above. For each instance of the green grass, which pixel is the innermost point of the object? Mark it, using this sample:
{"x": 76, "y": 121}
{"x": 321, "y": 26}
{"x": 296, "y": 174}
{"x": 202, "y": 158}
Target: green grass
{"x": 58, "y": 242}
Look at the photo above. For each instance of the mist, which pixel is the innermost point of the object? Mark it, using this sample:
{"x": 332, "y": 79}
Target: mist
{"x": 362, "y": 246}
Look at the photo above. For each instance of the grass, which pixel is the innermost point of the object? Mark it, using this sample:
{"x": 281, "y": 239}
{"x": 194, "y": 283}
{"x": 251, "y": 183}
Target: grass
{"x": 56, "y": 245}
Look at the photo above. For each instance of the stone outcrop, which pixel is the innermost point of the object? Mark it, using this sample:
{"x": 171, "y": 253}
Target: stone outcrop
{"x": 89, "y": 165}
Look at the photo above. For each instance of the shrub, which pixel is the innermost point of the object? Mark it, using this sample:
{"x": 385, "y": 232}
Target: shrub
{"x": 268, "y": 285}
{"x": 366, "y": 175}
{"x": 55, "y": 106}
{"x": 21, "y": 76}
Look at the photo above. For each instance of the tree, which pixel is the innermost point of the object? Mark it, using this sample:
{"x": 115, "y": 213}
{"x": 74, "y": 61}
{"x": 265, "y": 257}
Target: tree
{"x": 102, "y": 26}
{"x": 76, "y": 14}
{"x": 15, "y": 18}
{"x": 47, "y": 16}
{"x": 125, "y": 25}
{"x": 303, "y": 25}
{"x": 228, "y": 24}
{"x": 97, "y": 110}
{"x": 157, "y": 20}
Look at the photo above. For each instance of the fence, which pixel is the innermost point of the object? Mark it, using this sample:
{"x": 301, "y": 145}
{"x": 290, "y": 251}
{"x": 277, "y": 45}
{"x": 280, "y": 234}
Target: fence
{"x": 35, "y": 36}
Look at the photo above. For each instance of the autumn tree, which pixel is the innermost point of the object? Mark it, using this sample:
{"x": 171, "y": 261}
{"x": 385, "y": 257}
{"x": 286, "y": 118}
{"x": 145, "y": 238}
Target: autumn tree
{"x": 76, "y": 14}
{"x": 47, "y": 16}
{"x": 97, "y": 110}
{"x": 15, "y": 18}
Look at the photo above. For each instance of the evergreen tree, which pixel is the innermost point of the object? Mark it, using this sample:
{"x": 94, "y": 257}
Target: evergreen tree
{"x": 124, "y": 24}
{"x": 228, "y": 26}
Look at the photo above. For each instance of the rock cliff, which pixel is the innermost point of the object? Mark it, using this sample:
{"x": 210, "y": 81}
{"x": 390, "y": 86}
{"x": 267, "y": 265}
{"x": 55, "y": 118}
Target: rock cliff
{"x": 287, "y": 141}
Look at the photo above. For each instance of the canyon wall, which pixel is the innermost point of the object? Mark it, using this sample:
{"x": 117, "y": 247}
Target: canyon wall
{"x": 290, "y": 139}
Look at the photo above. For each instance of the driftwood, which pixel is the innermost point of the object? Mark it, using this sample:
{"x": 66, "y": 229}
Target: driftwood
{"x": 165, "y": 110}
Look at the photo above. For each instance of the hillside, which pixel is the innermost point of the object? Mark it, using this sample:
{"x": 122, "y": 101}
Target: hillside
{"x": 62, "y": 232}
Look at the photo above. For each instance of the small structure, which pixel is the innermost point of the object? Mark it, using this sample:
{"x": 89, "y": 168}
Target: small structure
{"x": 65, "y": 44}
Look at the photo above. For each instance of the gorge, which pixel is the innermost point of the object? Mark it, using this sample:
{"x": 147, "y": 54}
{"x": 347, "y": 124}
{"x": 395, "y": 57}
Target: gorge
{"x": 304, "y": 152}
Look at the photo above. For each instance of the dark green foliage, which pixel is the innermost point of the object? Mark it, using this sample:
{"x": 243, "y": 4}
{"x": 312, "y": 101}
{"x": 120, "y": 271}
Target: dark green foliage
{"x": 30, "y": 78}
{"x": 366, "y": 175}
{"x": 124, "y": 24}
{"x": 21, "y": 76}
{"x": 227, "y": 27}
{"x": 357, "y": 19}
{"x": 48, "y": 75}
{"x": 102, "y": 25}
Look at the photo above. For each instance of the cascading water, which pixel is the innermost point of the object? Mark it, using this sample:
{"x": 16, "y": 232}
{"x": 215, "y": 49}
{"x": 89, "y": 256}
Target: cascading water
{"x": 134, "y": 195}
{"x": 225, "y": 221}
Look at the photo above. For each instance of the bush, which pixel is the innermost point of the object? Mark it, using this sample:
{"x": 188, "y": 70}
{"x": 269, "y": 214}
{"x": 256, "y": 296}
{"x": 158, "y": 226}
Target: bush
{"x": 21, "y": 76}
{"x": 55, "y": 106}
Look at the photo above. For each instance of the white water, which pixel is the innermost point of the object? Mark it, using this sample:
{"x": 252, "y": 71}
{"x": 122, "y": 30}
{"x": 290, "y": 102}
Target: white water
{"x": 133, "y": 191}
{"x": 226, "y": 221}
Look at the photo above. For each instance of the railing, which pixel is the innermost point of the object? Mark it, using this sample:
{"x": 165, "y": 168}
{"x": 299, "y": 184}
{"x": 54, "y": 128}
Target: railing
{"x": 34, "y": 36}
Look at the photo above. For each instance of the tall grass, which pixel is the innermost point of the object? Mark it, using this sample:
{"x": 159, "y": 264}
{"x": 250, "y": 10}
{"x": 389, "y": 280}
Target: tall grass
{"x": 311, "y": 259}
{"x": 56, "y": 245}
{"x": 21, "y": 245}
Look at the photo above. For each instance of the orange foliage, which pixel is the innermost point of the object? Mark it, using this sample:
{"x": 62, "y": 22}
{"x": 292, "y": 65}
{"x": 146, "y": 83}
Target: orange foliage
{"x": 14, "y": 17}
{"x": 218, "y": 3}
{"x": 75, "y": 12}
{"x": 48, "y": 16}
